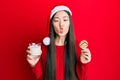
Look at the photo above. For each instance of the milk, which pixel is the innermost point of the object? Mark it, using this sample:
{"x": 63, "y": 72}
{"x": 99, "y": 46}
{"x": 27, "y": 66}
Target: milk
{"x": 35, "y": 49}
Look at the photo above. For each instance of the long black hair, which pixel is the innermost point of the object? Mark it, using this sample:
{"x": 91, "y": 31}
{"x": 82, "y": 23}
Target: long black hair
{"x": 70, "y": 54}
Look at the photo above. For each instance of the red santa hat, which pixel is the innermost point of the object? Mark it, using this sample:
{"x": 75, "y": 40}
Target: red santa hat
{"x": 46, "y": 40}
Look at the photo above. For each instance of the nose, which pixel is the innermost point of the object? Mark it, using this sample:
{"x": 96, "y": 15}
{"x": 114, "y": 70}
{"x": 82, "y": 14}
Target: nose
{"x": 61, "y": 23}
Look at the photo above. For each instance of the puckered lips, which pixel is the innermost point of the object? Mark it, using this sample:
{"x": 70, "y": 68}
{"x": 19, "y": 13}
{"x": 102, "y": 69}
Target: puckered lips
{"x": 61, "y": 30}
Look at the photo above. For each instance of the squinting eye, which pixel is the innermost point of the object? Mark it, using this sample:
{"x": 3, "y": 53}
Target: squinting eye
{"x": 55, "y": 20}
{"x": 65, "y": 19}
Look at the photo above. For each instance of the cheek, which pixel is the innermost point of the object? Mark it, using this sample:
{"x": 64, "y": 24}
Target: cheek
{"x": 56, "y": 29}
{"x": 66, "y": 30}
{"x": 55, "y": 26}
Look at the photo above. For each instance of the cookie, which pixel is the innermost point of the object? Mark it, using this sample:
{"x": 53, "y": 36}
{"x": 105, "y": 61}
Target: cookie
{"x": 83, "y": 44}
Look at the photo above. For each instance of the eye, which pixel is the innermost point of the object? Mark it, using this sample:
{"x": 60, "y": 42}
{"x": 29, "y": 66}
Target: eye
{"x": 65, "y": 19}
{"x": 55, "y": 20}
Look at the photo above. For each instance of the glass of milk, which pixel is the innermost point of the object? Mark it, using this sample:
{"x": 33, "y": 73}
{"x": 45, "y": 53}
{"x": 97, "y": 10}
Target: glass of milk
{"x": 35, "y": 49}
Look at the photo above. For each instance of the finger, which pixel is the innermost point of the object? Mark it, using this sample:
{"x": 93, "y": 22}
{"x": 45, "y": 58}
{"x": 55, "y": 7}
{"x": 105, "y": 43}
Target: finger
{"x": 84, "y": 54}
{"x": 87, "y": 54}
{"x": 28, "y": 47}
{"x": 29, "y": 57}
{"x": 88, "y": 58}
{"x": 28, "y": 51}
{"x": 85, "y": 50}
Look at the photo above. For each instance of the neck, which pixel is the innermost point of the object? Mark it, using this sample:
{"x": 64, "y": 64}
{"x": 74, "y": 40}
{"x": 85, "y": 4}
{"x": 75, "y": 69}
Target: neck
{"x": 59, "y": 40}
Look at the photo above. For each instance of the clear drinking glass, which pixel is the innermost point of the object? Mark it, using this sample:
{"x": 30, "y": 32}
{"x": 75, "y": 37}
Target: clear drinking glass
{"x": 35, "y": 49}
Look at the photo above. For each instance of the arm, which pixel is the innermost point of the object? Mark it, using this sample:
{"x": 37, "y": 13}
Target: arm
{"x": 81, "y": 63}
{"x": 35, "y": 61}
{"x": 81, "y": 70}
{"x": 37, "y": 70}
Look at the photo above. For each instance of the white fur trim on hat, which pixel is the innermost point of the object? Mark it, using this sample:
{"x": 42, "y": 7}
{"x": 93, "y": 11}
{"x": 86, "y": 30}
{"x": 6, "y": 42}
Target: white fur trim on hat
{"x": 59, "y": 8}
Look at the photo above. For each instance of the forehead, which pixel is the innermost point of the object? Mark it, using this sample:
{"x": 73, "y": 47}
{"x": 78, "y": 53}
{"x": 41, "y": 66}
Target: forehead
{"x": 61, "y": 14}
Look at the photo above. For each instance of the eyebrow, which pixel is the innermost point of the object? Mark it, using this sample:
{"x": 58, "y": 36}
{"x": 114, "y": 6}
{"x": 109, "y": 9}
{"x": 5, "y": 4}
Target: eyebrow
{"x": 63, "y": 17}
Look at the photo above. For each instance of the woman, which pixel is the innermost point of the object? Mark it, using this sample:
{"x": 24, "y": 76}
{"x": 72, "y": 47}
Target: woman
{"x": 64, "y": 59}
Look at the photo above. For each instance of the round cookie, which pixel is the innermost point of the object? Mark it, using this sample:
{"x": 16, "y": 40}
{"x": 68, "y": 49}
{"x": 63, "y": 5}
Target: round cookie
{"x": 83, "y": 44}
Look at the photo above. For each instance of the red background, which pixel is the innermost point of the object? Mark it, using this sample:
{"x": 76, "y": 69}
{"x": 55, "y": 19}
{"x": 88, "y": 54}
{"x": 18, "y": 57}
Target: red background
{"x": 24, "y": 21}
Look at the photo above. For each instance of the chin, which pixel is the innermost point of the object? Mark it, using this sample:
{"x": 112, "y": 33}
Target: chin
{"x": 62, "y": 35}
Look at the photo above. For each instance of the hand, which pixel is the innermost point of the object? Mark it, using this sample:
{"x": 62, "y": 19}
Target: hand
{"x": 85, "y": 56}
{"x": 32, "y": 59}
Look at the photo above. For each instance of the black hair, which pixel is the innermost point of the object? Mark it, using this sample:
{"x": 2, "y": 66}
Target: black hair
{"x": 70, "y": 54}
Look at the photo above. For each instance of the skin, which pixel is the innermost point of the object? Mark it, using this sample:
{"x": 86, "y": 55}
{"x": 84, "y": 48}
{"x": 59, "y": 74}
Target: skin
{"x": 61, "y": 24}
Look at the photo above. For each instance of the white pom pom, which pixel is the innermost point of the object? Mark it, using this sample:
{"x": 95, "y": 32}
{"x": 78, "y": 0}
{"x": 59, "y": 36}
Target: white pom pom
{"x": 46, "y": 41}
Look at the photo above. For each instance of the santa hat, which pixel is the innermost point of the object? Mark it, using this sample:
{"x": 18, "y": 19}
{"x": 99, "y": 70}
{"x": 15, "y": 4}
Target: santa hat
{"x": 46, "y": 40}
